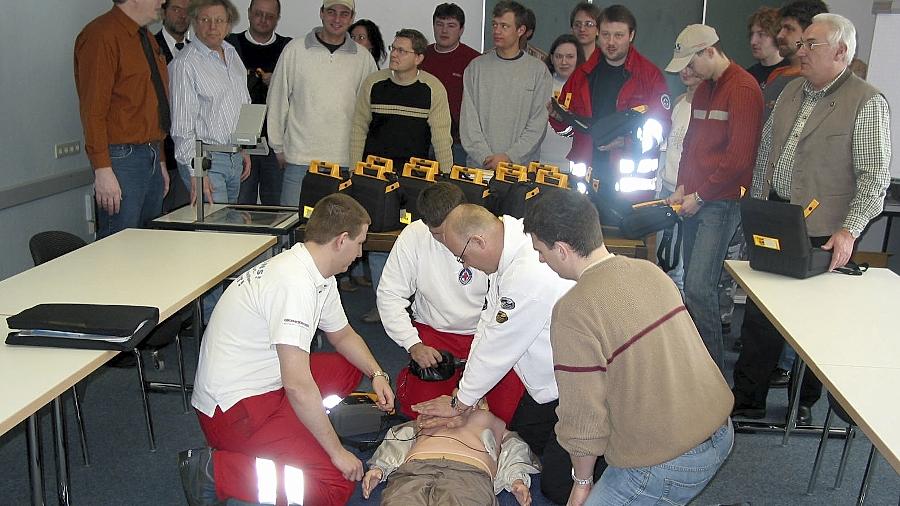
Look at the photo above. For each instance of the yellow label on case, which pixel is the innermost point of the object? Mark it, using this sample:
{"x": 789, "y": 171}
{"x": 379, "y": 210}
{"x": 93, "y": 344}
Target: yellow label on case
{"x": 307, "y": 211}
{"x": 532, "y": 193}
{"x": 767, "y": 242}
{"x": 346, "y": 184}
{"x": 813, "y": 204}
{"x": 391, "y": 187}
{"x": 405, "y": 218}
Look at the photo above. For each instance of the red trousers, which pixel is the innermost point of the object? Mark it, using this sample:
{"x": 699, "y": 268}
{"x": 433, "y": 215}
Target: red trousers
{"x": 502, "y": 399}
{"x": 266, "y": 426}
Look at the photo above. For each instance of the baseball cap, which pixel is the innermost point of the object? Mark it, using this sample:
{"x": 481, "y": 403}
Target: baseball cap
{"x": 692, "y": 39}
{"x": 350, "y": 4}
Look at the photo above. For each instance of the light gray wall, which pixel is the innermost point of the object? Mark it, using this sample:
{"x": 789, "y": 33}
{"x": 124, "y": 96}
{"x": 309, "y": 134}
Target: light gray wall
{"x": 39, "y": 109}
{"x": 860, "y": 13}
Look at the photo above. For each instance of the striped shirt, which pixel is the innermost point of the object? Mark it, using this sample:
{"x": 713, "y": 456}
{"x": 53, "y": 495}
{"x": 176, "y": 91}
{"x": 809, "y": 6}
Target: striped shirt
{"x": 206, "y": 95}
{"x": 871, "y": 155}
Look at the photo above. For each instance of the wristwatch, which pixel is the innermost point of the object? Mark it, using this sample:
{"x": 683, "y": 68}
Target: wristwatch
{"x": 455, "y": 404}
{"x": 698, "y": 199}
{"x": 382, "y": 374}
{"x": 578, "y": 481}
{"x": 854, "y": 233}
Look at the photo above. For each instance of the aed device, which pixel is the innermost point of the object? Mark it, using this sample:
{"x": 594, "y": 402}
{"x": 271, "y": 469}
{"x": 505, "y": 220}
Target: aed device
{"x": 355, "y": 414}
{"x": 778, "y": 241}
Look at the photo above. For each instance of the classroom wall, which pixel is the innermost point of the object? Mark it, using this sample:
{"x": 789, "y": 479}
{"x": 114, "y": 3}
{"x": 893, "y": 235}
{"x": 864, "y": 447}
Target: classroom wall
{"x": 40, "y": 109}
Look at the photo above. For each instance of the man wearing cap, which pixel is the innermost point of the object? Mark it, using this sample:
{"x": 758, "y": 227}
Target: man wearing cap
{"x": 828, "y": 140}
{"x": 612, "y": 80}
{"x": 719, "y": 150}
{"x": 312, "y": 96}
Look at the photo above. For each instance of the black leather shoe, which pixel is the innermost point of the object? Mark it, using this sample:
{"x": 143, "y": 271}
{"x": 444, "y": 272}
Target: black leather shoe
{"x": 779, "y": 379}
{"x": 804, "y": 415}
{"x": 748, "y": 412}
{"x": 196, "y": 469}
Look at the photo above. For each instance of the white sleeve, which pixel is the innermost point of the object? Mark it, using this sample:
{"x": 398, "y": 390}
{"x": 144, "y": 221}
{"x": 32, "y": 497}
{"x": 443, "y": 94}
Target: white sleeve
{"x": 397, "y": 285}
{"x": 278, "y": 99}
{"x": 392, "y": 453}
{"x": 505, "y": 334}
{"x": 185, "y": 106}
{"x": 516, "y": 462}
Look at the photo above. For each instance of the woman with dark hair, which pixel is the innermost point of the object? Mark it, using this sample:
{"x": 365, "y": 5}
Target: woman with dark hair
{"x": 367, "y": 34}
{"x": 565, "y": 55}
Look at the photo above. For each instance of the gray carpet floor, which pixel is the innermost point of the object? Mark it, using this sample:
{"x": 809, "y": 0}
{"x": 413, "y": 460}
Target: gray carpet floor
{"x": 124, "y": 472}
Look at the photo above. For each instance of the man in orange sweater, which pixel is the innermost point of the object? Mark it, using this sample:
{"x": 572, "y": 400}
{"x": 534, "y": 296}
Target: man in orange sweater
{"x": 719, "y": 151}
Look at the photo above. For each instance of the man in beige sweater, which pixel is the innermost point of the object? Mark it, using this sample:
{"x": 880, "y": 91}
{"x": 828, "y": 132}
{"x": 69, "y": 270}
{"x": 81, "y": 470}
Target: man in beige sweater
{"x": 636, "y": 384}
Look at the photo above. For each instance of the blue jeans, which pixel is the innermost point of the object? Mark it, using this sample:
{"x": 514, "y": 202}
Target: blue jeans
{"x": 264, "y": 181}
{"x": 224, "y": 175}
{"x": 706, "y": 238}
{"x": 674, "y": 482}
{"x": 136, "y": 167}
{"x": 377, "y": 259}
{"x": 290, "y": 184}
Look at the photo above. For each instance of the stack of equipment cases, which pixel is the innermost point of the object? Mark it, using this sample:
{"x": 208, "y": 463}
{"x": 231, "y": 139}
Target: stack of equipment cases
{"x": 472, "y": 182}
{"x": 510, "y": 188}
{"x": 323, "y": 179}
{"x": 376, "y": 188}
{"x": 417, "y": 175}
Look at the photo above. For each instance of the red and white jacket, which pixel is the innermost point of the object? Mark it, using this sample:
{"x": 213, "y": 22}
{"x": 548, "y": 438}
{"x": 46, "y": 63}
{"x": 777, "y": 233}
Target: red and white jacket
{"x": 645, "y": 86}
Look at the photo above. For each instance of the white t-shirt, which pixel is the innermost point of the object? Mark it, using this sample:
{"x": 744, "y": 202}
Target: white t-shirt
{"x": 514, "y": 330}
{"x": 280, "y": 301}
{"x": 448, "y": 297}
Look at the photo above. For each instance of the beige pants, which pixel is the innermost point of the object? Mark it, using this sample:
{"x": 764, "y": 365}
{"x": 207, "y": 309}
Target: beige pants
{"x": 438, "y": 482}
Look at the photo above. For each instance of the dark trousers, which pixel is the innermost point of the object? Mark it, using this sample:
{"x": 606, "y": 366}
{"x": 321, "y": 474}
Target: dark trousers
{"x": 762, "y": 344}
{"x": 536, "y": 424}
{"x": 264, "y": 181}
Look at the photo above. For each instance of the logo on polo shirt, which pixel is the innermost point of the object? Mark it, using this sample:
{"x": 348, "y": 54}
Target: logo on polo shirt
{"x": 665, "y": 101}
{"x": 507, "y": 303}
{"x": 502, "y": 317}
{"x": 465, "y": 276}
{"x": 295, "y": 323}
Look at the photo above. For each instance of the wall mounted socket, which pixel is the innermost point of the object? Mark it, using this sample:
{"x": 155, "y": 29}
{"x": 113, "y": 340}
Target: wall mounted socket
{"x": 66, "y": 149}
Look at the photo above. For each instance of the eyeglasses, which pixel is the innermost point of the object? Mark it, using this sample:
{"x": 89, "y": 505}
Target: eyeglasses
{"x": 205, "y": 20}
{"x": 583, "y": 24}
{"x": 810, "y": 45}
{"x": 460, "y": 257}
{"x": 394, "y": 49}
{"x": 359, "y": 37}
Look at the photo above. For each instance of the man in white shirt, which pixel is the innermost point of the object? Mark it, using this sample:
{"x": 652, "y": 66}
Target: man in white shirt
{"x": 208, "y": 84}
{"x": 258, "y": 390}
{"x": 312, "y": 96}
{"x": 513, "y": 333}
{"x": 447, "y": 299}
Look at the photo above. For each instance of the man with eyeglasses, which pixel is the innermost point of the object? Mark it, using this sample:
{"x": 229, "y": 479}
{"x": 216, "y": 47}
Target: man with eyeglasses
{"x": 584, "y": 20}
{"x": 259, "y": 48}
{"x": 717, "y": 160}
{"x": 208, "y": 88}
{"x": 795, "y": 17}
{"x": 614, "y": 79}
{"x": 447, "y": 59}
{"x": 827, "y": 140}
{"x": 312, "y": 96}
{"x": 504, "y": 107}
{"x": 513, "y": 334}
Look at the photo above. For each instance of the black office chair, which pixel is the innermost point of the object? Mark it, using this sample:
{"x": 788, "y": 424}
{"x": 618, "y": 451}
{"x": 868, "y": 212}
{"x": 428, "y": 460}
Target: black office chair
{"x": 46, "y": 246}
{"x": 834, "y": 408}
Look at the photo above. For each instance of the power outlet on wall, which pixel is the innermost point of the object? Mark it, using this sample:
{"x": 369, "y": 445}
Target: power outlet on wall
{"x": 66, "y": 149}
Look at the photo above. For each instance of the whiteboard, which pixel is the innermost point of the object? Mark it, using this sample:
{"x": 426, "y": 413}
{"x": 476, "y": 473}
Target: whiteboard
{"x": 299, "y": 17}
{"x": 883, "y": 64}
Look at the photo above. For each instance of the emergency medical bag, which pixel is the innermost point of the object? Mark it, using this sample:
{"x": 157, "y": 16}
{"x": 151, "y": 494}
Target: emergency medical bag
{"x": 323, "y": 179}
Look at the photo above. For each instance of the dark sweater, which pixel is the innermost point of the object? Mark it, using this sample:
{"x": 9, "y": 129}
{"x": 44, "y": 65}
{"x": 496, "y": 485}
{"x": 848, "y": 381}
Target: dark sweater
{"x": 257, "y": 57}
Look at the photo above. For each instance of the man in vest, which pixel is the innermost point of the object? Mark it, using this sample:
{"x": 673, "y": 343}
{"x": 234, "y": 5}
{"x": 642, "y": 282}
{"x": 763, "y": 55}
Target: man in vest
{"x": 827, "y": 139}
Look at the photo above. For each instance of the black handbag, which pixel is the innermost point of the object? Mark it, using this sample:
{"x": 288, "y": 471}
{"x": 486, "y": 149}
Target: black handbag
{"x": 323, "y": 179}
{"x": 444, "y": 370}
{"x": 377, "y": 190}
